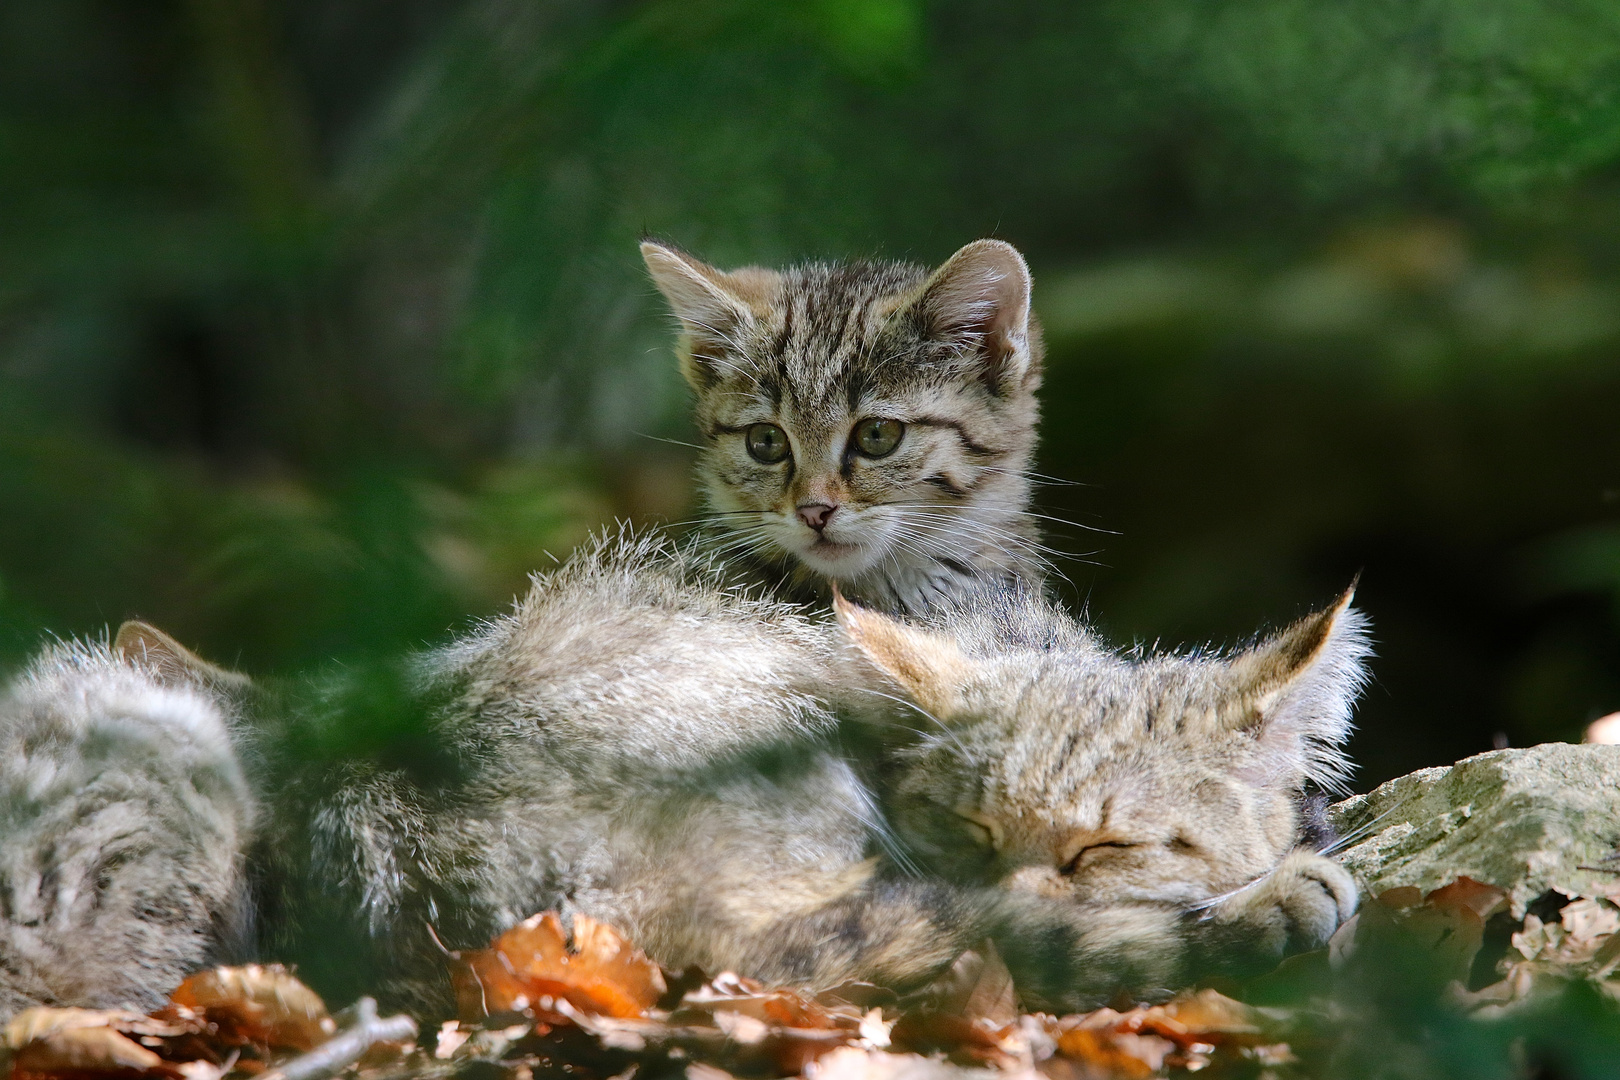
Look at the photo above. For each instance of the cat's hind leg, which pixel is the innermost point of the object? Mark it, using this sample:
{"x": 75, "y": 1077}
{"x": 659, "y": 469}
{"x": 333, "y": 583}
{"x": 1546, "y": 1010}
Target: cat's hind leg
{"x": 123, "y": 815}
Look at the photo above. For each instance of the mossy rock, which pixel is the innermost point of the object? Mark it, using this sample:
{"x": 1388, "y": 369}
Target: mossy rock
{"x": 1530, "y": 820}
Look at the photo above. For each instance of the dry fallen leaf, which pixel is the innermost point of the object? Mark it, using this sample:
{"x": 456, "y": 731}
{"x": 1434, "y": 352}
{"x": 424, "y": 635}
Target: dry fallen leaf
{"x": 734, "y": 1025}
{"x": 851, "y": 1063}
{"x": 1183, "y": 1032}
{"x": 1441, "y": 931}
{"x": 199, "y": 1035}
{"x": 1105, "y": 1051}
{"x": 1467, "y": 894}
{"x": 597, "y": 971}
{"x": 259, "y": 1003}
{"x": 1584, "y": 943}
{"x": 31, "y": 1025}
{"x": 1204, "y": 1018}
{"x": 789, "y": 1028}
{"x": 450, "y": 1039}
{"x": 1585, "y": 929}
{"x": 970, "y": 1013}
{"x": 736, "y": 994}
{"x": 977, "y": 988}
{"x": 47, "y": 1041}
{"x": 85, "y": 1050}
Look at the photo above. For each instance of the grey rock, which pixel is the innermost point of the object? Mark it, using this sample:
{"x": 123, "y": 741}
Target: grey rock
{"x": 1544, "y": 817}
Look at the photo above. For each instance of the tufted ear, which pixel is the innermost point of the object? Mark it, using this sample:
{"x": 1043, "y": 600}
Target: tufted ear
{"x": 1294, "y": 691}
{"x": 145, "y": 645}
{"x": 979, "y": 299}
{"x": 714, "y": 306}
{"x": 928, "y": 665}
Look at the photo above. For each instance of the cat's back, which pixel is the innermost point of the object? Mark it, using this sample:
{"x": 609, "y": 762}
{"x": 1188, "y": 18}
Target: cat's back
{"x": 640, "y": 648}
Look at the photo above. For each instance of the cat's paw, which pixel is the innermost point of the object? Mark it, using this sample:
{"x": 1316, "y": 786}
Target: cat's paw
{"x": 1294, "y": 908}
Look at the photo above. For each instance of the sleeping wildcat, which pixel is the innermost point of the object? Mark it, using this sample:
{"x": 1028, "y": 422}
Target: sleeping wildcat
{"x": 639, "y": 743}
{"x": 869, "y": 423}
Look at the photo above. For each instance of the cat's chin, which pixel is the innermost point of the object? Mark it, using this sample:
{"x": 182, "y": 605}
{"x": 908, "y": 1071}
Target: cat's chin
{"x": 834, "y": 560}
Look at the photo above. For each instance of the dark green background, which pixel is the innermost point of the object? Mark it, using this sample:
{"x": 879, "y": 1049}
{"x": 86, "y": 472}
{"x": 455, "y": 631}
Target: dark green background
{"x": 320, "y": 322}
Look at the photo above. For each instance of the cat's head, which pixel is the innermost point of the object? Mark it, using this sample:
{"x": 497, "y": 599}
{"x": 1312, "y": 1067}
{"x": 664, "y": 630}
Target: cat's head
{"x": 866, "y": 415}
{"x": 1052, "y": 765}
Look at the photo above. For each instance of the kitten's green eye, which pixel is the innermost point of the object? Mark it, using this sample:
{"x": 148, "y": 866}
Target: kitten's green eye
{"x": 766, "y": 442}
{"x": 877, "y": 437}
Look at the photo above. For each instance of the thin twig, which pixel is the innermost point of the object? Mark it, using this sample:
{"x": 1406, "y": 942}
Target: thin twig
{"x": 347, "y": 1046}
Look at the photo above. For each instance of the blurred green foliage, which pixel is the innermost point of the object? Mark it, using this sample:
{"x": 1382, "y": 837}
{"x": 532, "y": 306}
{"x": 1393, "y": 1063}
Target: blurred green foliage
{"x": 321, "y": 320}
{"x": 1410, "y": 994}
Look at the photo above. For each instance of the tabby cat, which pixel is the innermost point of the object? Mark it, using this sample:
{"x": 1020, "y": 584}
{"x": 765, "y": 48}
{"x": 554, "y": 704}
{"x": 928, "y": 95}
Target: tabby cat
{"x": 638, "y": 742}
{"x": 866, "y": 423}
{"x": 124, "y": 815}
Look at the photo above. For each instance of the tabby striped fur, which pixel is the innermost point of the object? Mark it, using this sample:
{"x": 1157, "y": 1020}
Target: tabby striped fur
{"x": 954, "y": 356}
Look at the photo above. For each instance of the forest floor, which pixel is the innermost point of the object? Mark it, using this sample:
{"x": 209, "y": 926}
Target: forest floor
{"x": 1438, "y": 985}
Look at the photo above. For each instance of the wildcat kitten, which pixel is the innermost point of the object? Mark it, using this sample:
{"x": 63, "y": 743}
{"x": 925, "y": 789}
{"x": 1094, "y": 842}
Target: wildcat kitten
{"x": 640, "y": 743}
{"x": 123, "y": 816}
{"x": 1133, "y": 790}
{"x": 868, "y": 423}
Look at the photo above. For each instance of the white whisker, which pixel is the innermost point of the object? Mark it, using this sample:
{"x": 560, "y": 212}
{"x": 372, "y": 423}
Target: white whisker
{"x": 672, "y": 442}
{"x": 943, "y": 727}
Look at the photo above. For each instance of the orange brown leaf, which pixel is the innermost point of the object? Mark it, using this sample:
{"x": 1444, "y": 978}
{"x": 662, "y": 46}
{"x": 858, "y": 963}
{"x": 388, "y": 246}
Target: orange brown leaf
{"x": 598, "y": 971}
{"x": 262, "y": 1003}
{"x": 1467, "y": 894}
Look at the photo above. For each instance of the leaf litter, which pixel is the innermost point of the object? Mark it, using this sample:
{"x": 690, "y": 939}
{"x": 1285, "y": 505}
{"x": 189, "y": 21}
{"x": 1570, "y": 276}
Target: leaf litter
{"x": 581, "y": 1002}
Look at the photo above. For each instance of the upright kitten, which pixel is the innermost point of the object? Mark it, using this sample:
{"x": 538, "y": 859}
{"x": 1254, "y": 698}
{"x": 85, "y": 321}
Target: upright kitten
{"x": 866, "y": 423}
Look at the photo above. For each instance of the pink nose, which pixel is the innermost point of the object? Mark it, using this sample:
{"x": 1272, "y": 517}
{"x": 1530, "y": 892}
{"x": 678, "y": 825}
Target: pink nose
{"x": 816, "y": 515}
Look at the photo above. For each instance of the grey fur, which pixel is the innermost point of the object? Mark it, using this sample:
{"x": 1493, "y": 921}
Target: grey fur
{"x": 639, "y": 742}
{"x": 955, "y": 355}
{"x": 685, "y": 760}
{"x": 1134, "y": 789}
{"x": 124, "y": 813}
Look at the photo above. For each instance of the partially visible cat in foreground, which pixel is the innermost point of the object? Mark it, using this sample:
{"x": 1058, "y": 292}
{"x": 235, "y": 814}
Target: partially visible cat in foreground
{"x": 869, "y": 423}
{"x": 639, "y": 744}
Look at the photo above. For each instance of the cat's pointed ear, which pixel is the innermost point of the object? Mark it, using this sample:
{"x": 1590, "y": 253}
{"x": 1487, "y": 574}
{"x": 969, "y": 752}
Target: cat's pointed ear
{"x": 713, "y": 306}
{"x": 1294, "y": 691}
{"x": 146, "y": 646}
{"x": 928, "y": 665}
{"x": 980, "y": 300}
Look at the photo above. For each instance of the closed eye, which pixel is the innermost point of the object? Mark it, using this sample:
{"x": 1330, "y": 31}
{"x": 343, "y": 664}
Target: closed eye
{"x": 983, "y": 828}
{"x": 1096, "y": 851}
